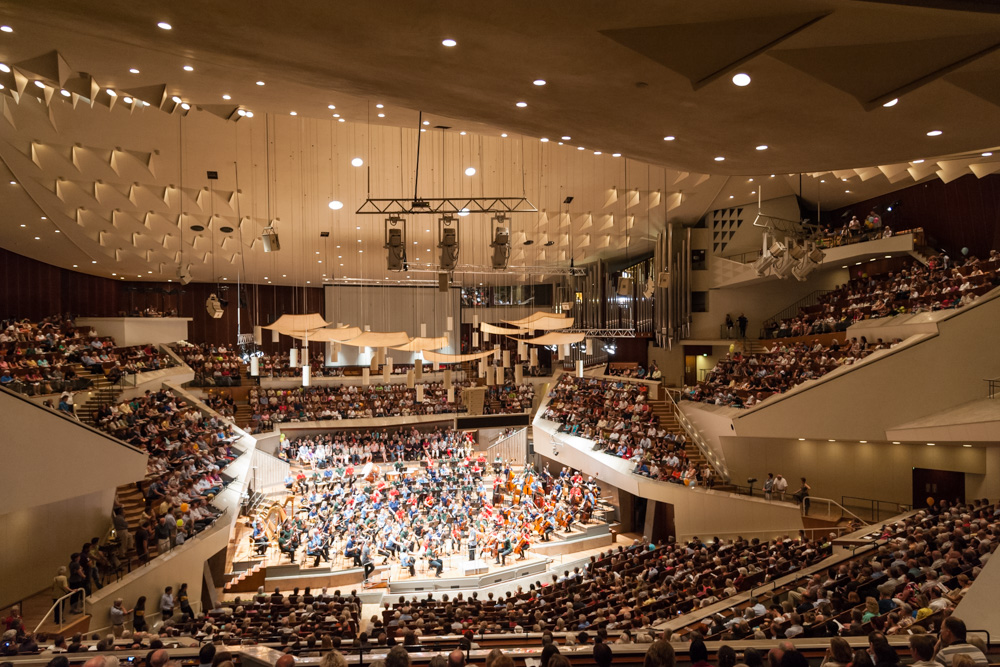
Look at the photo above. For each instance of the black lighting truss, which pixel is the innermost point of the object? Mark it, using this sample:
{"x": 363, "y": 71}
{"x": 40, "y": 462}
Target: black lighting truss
{"x": 446, "y": 205}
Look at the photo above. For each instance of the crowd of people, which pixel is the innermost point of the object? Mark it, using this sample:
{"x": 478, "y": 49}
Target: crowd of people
{"x": 638, "y": 371}
{"x": 618, "y": 418}
{"x": 344, "y": 448}
{"x": 508, "y": 398}
{"x": 188, "y": 451}
{"x": 913, "y": 289}
{"x": 743, "y": 380}
{"x": 908, "y": 585}
{"x": 38, "y": 358}
{"x": 213, "y": 365}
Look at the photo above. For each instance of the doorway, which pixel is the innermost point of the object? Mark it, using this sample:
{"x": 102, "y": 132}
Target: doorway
{"x": 938, "y": 485}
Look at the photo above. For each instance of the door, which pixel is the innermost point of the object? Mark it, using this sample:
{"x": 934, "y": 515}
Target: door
{"x": 937, "y": 485}
{"x": 690, "y": 370}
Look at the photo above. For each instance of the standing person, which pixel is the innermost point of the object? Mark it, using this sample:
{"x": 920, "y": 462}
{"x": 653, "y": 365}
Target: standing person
{"x": 743, "y": 321}
{"x": 118, "y": 612}
{"x": 183, "y": 602}
{"x": 802, "y": 495}
{"x": 139, "y": 615}
{"x": 60, "y": 587}
{"x": 779, "y": 486}
{"x": 768, "y": 485}
{"x": 142, "y": 538}
{"x": 729, "y": 325}
{"x": 162, "y": 536}
{"x": 121, "y": 530}
{"x": 167, "y": 603}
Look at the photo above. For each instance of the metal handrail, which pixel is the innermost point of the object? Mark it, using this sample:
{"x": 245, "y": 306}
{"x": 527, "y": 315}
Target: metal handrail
{"x": 695, "y": 436}
{"x": 992, "y": 387}
{"x": 876, "y": 506}
{"x": 830, "y": 503}
{"x": 504, "y": 440}
{"x": 57, "y": 603}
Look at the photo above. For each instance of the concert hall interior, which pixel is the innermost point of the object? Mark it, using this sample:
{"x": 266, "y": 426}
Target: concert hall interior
{"x": 521, "y": 334}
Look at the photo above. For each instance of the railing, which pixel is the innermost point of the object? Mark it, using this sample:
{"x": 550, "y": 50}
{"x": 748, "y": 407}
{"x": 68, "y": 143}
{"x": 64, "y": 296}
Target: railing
{"x": 992, "y": 386}
{"x": 809, "y": 503}
{"x": 694, "y": 435}
{"x": 877, "y": 507}
{"x": 60, "y": 604}
{"x": 511, "y": 447}
{"x": 792, "y": 310}
{"x": 748, "y": 257}
{"x": 267, "y": 472}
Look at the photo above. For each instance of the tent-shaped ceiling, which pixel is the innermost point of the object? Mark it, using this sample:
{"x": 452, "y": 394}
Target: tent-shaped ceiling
{"x": 501, "y": 331}
{"x": 554, "y": 339}
{"x": 528, "y": 322}
{"x": 420, "y": 344}
{"x": 380, "y": 339}
{"x": 338, "y": 335}
{"x": 297, "y": 325}
{"x": 455, "y": 358}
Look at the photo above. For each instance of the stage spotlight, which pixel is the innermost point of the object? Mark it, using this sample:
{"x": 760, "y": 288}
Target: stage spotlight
{"x": 214, "y": 306}
{"x": 395, "y": 243}
{"x": 448, "y": 235}
{"x": 777, "y": 249}
{"x": 763, "y": 263}
{"x": 501, "y": 242}
{"x": 269, "y": 238}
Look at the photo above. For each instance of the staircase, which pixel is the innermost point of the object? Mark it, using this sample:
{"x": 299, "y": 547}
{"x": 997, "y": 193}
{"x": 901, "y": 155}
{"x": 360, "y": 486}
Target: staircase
{"x": 664, "y": 412}
{"x": 244, "y": 414}
{"x": 101, "y": 393}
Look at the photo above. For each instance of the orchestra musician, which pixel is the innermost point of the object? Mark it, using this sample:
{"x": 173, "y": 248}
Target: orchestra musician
{"x": 366, "y": 561}
{"x": 473, "y": 538}
{"x": 434, "y": 560}
{"x": 505, "y": 550}
{"x": 409, "y": 562}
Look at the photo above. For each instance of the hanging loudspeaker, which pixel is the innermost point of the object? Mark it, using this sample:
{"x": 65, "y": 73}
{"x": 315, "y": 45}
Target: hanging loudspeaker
{"x": 451, "y": 394}
{"x": 254, "y": 366}
{"x": 475, "y": 339}
{"x": 293, "y": 358}
{"x": 305, "y": 376}
{"x": 409, "y": 379}
{"x": 518, "y": 374}
{"x": 275, "y": 336}
{"x": 420, "y": 393}
{"x": 533, "y": 356}
{"x": 418, "y": 369}
{"x": 579, "y": 368}
{"x": 590, "y": 346}
{"x": 258, "y": 335}
{"x": 447, "y": 377}
{"x": 506, "y": 358}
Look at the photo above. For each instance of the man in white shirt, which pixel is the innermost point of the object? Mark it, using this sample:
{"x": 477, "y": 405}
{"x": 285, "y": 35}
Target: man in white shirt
{"x": 780, "y": 484}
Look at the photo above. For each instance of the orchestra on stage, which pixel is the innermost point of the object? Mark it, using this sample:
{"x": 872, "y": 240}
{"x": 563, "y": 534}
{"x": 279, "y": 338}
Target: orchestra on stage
{"x": 345, "y": 503}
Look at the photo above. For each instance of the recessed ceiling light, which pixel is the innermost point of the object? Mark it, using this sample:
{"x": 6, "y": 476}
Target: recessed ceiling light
{"x": 133, "y": 70}
{"x": 75, "y": 266}
{"x": 293, "y": 113}
{"x": 539, "y": 82}
{"x": 580, "y": 148}
{"x": 110, "y": 92}
{"x": 831, "y": 441}
{"x": 341, "y": 120}
{"x": 426, "y": 122}
{"x": 13, "y": 182}
{"x": 38, "y": 238}
{"x": 749, "y": 180}
{"x": 336, "y": 205}
{"x": 988, "y": 154}
{"x": 616, "y": 155}
{"x": 719, "y": 158}
{"x": 464, "y": 212}
{"x": 772, "y": 175}
{"x": 188, "y": 68}
{"x": 847, "y": 191}
{"x": 669, "y": 137}
{"x": 176, "y": 100}
{"x": 93, "y": 261}
{"x": 4, "y": 68}
{"x": 763, "y": 147}
{"x": 863, "y": 442}
{"x": 967, "y": 445}
{"x": 891, "y": 103}
{"x": 753, "y": 192}
{"x": 331, "y": 106}
{"x": 357, "y": 162}
{"x": 470, "y": 171}
{"x": 929, "y": 444}
{"x": 521, "y": 104}
{"x": 731, "y": 196}
{"x": 185, "y": 106}
{"x": 379, "y": 106}
{"x": 544, "y": 140}
{"x": 935, "y": 133}
{"x": 566, "y": 138}
{"x": 448, "y": 42}
{"x": 741, "y": 79}
{"x": 127, "y": 100}
{"x": 918, "y": 162}
{"x": 163, "y": 25}
{"x": 6, "y": 28}
{"x": 336, "y": 115}
{"x": 23, "y": 225}
{"x": 895, "y": 442}
{"x": 597, "y": 152}
{"x": 40, "y": 84}
{"x": 227, "y": 97}
{"x": 260, "y": 83}
{"x": 381, "y": 115}
{"x": 503, "y": 135}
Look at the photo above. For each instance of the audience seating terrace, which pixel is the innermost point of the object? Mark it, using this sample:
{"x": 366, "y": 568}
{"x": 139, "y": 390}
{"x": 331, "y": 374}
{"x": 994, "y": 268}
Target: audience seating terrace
{"x": 916, "y": 288}
{"x": 743, "y": 380}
